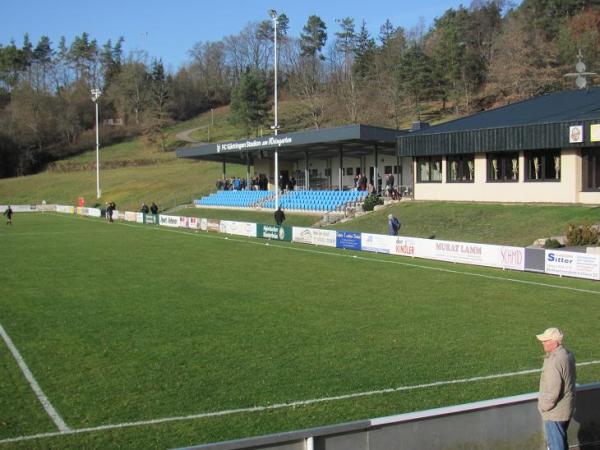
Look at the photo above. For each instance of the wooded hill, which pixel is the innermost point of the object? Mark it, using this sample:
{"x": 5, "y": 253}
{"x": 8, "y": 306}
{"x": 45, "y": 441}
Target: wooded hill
{"x": 469, "y": 59}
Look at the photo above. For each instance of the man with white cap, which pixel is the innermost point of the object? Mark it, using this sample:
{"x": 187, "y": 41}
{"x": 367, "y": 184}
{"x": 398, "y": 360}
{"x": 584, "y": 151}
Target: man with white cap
{"x": 557, "y": 389}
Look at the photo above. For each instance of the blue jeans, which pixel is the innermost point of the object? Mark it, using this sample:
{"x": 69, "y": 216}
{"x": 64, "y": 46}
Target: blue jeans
{"x": 556, "y": 434}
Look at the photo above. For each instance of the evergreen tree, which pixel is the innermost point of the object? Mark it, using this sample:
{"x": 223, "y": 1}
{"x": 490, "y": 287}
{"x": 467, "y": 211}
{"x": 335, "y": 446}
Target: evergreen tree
{"x": 364, "y": 53}
{"x": 251, "y": 102}
{"x": 313, "y": 37}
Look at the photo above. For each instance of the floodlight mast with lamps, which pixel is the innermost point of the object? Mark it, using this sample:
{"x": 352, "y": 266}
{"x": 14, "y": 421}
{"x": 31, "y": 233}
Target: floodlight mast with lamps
{"x": 95, "y": 96}
{"x": 275, "y": 127}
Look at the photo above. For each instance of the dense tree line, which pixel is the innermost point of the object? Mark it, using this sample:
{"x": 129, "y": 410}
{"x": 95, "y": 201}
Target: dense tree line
{"x": 469, "y": 59}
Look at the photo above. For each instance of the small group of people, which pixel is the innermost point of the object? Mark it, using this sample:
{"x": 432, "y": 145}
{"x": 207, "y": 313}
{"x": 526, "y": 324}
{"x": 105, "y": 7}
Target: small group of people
{"x": 259, "y": 183}
{"x": 110, "y": 209}
{"x": 390, "y": 189}
{"x": 231, "y": 184}
{"x": 8, "y": 212}
{"x": 153, "y": 209}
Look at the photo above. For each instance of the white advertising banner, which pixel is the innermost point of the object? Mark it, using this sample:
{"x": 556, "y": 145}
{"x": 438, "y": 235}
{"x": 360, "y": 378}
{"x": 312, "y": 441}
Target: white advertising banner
{"x": 20, "y": 208}
{"x": 404, "y": 246}
{"x": 46, "y": 208}
{"x": 183, "y": 222}
{"x": 379, "y": 243}
{"x": 92, "y": 212}
{"x": 238, "y": 228}
{"x": 204, "y": 224}
{"x": 65, "y": 209}
{"x": 169, "y": 221}
{"x": 314, "y": 236}
{"x": 130, "y": 216}
{"x": 194, "y": 223}
{"x": 458, "y": 252}
{"x": 139, "y": 218}
{"x": 571, "y": 264}
{"x": 511, "y": 257}
{"x": 118, "y": 215}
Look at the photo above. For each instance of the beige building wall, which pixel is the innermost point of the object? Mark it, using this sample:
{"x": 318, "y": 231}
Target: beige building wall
{"x": 568, "y": 190}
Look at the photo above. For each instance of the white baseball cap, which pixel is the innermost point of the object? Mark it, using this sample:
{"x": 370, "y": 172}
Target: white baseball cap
{"x": 550, "y": 334}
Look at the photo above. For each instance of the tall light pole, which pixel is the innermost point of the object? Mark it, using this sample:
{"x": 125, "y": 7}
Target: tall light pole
{"x": 95, "y": 96}
{"x": 276, "y": 125}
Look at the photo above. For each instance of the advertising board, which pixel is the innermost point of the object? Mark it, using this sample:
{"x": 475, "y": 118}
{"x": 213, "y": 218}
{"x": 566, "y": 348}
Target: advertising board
{"x": 348, "y": 239}
{"x": 378, "y": 243}
{"x": 194, "y": 223}
{"x": 572, "y": 264}
{"x": 405, "y": 246}
{"x": 204, "y": 224}
{"x": 238, "y": 228}
{"x": 169, "y": 221}
{"x": 130, "y": 216}
{"x": 21, "y": 208}
{"x": 65, "y": 209}
{"x": 314, "y": 236}
{"x": 184, "y": 222}
{"x": 274, "y": 232}
{"x": 213, "y": 225}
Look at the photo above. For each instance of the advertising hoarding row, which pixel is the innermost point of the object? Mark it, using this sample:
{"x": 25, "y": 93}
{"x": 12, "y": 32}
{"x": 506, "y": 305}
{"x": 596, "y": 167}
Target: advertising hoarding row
{"x": 556, "y": 262}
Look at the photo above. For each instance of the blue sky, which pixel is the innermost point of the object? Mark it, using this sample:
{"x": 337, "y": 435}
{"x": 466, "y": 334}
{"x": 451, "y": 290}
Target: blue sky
{"x": 169, "y": 29}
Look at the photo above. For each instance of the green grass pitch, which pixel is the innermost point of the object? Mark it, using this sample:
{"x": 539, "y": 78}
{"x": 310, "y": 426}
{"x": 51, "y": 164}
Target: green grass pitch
{"x": 123, "y": 323}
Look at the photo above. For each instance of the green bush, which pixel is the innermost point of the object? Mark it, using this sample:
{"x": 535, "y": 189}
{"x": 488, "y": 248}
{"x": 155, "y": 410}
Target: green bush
{"x": 552, "y": 243}
{"x": 371, "y": 201}
{"x": 582, "y": 234}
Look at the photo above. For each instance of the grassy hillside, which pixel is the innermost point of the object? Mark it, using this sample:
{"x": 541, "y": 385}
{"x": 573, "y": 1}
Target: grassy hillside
{"x": 135, "y": 171}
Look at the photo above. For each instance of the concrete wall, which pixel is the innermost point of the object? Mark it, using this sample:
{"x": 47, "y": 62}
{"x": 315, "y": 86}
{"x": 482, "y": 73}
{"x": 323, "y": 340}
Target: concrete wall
{"x": 568, "y": 190}
{"x": 507, "y": 423}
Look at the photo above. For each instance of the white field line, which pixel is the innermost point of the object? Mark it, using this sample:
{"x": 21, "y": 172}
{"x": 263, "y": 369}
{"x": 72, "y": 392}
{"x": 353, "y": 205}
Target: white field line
{"x": 54, "y": 415}
{"x": 206, "y": 235}
{"x": 280, "y": 405}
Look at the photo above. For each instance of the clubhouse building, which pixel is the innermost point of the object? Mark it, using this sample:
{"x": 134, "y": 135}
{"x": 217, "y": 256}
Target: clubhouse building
{"x": 545, "y": 149}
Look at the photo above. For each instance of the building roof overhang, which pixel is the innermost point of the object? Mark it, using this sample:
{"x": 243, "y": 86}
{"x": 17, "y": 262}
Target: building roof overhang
{"x": 353, "y": 140}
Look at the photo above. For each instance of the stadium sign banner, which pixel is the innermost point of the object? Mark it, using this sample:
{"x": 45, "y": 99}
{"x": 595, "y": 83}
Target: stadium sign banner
{"x": 204, "y": 224}
{"x": 314, "y": 236}
{"x": 274, "y": 232}
{"x": 238, "y": 228}
{"x": 169, "y": 221}
{"x": 130, "y": 216}
{"x": 348, "y": 239}
{"x": 378, "y": 243}
{"x": 65, "y": 209}
{"x": 213, "y": 225}
{"x": 139, "y": 217}
{"x": 184, "y": 222}
{"x": 571, "y": 264}
{"x": 118, "y": 215}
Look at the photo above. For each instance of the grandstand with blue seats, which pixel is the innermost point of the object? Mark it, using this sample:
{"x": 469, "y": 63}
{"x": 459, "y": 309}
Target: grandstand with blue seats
{"x": 239, "y": 199}
{"x": 295, "y": 200}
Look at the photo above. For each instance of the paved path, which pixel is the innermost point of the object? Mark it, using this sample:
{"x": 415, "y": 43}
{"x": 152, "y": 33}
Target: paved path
{"x": 185, "y": 135}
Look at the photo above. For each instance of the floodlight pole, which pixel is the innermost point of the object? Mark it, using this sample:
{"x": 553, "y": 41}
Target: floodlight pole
{"x": 95, "y": 96}
{"x": 276, "y": 125}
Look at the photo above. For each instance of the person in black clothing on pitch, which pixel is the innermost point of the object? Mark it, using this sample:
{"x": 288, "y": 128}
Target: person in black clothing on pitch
{"x": 279, "y": 216}
{"x": 8, "y": 213}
